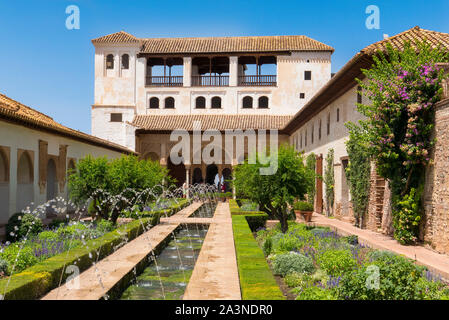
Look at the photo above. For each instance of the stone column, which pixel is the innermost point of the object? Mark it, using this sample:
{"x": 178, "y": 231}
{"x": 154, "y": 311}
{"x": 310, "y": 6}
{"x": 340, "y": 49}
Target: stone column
{"x": 187, "y": 72}
{"x": 188, "y": 180}
{"x": 13, "y": 181}
{"x": 233, "y": 71}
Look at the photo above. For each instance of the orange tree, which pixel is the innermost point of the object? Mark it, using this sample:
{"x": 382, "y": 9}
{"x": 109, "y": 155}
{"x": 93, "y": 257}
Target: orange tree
{"x": 289, "y": 180}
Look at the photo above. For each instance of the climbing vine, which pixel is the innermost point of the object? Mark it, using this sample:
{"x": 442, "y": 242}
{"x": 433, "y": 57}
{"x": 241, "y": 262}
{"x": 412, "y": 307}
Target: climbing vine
{"x": 329, "y": 180}
{"x": 358, "y": 172}
{"x": 403, "y": 87}
{"x": 311, "y": 166}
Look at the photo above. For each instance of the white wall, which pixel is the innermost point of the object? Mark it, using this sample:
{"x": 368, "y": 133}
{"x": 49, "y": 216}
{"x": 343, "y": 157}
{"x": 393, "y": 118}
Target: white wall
{"x": 115, "y": 92}
{"x": 19, "y": 137}
{"x": 335, "y": 140}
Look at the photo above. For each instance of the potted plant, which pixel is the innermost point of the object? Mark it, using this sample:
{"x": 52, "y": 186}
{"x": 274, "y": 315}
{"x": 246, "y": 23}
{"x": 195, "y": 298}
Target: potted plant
{"x": 303, "y": 209}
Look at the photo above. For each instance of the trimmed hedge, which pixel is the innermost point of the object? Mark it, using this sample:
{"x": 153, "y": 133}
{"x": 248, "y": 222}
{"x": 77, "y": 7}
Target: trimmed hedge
{"x": 235, "y": 209}
{"x": 164, "y": 212}
{"x": 34, "y": 282}
{"x": 256, "y": 279}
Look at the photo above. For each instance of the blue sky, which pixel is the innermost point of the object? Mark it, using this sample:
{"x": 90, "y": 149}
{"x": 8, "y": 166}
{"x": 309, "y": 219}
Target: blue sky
{"x": 51, "y": 69}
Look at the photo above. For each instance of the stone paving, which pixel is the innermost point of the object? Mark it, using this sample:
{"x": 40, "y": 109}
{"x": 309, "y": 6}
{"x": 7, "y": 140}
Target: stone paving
{"x": 436, "y": 262}
{"x": 215, "y": 276}
{"x": 96, "y": 281}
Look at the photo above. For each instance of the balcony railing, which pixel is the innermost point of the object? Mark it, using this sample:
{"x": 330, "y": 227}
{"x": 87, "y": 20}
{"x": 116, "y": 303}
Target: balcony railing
{"x": 210, "y": 81}
{"x": 164, "y": 81}
{"x": 260, "y": 80}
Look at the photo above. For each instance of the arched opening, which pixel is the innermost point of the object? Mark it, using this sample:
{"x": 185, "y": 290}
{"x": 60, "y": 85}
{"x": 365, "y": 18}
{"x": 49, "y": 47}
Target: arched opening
{"x": 110, "y": 61}
{"x": 154, "y": 103}
{"x": 263, "y": 102}
{"x": 247, "y": 102}
{"x": 197, "y": 176}
{"x": 211, "y": 172}
{"x": 51, "y": 180}
{"x": 153, "y": 156}
{"x": 200, "y": 103}
{"x": 169, "y": 103}
{"x": 25, "y": 189}
{"x": 4, "y": 188}
{"x": 125, "y": 61}
{"x": 227, "y": 177}
{"x": 216, "y": 103}
{"x": 177, "y": 171}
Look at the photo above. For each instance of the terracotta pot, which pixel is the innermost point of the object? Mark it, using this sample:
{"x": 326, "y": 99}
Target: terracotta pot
{"x": 305, "y": 215}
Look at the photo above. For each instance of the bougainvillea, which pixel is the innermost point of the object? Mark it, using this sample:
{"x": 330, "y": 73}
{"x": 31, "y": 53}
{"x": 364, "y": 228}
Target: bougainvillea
{"x": 403, "y": 87}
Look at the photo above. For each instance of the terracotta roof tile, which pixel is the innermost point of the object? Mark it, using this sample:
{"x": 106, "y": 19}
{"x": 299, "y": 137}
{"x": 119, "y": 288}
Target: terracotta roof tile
{"x": 218, "y": 122}
{"x": 218, "y": 44}
{"x": 118, "y": 37}
{"x": 15, "y": 111}
{"x": 412, "y": 35}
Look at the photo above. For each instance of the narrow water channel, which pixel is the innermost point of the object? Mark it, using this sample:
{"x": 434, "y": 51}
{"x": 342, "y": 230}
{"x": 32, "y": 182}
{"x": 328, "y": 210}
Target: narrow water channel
{"x": 175, "y": 265}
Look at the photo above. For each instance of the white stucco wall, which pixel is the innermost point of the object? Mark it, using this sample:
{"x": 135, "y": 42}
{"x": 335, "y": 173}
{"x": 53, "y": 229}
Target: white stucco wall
{"x": 334, "y": 140}
{"x": 115, "y": 92}
{"x": 18, "y": 137}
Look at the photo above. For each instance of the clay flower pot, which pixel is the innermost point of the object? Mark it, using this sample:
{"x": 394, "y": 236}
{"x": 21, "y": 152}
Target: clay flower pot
{"x": 305, "y": 215}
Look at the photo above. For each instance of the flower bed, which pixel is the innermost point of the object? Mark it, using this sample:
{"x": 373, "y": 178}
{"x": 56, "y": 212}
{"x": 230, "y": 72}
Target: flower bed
{"x": 256, "y": 280}
{"x": 46, "y": 275}
{"x": 317, "y": 264}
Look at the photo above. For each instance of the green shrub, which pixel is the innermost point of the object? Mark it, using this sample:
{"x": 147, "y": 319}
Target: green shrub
{"x": 296, "y": 279}
{"x": 105, "y": 226}
{"x": 48, "y": 235}
{"x": 286, "y": 263}
{"x": 431, "y": 290}
{"x": 18, "y": 258}
{"x": 336, "y": 262}
{"x": 4, "y": 266}
{"x": 303, "y": 206}
{"x": 386, "y": 278}
{"x": 267, "y": 246}
{"x": 20, "y": 224}
{"x": 256, "y": 221}
{"x": 315, "y": 293}
{"x": 289, "y": 243}
{"x": 72, "y": 230}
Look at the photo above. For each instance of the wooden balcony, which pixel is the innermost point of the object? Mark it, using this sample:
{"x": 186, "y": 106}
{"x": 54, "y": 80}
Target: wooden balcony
{"x": 210, "y": 81}
{"x": 257, "y": 80}
{"x": 164, "y": 81}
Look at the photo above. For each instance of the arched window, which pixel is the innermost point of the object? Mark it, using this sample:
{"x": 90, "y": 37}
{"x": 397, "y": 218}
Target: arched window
{"x": 338, "y": 114}
{"x": 319, "y": 131}
{"x": 263, "y": 102}
{"x": 305, "y": 139}
{"x": 154, "y": 103}
{"x": 300, "y": 140}
{"x": 125, "y": 61}
{"x": 216, "y": 103}
{"x": 169, "y": 103}
{"x": 25, "y": 169}
{"x": 247, "y": 102}
{"x": 110, "y": 61}
{"x": 313, "y": 131}
{"x": 4, "y": 168}
{"x": 200, "y": 103}
{"x": 328, "y": 124}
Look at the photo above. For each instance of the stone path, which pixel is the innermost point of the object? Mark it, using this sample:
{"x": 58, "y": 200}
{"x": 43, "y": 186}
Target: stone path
{"x": 96, "y": 281}
{"x": 436, "y": 262}
{"x": 215, "y": 276}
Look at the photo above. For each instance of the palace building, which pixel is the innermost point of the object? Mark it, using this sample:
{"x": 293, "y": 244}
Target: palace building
{"x": 147, "y": 87}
